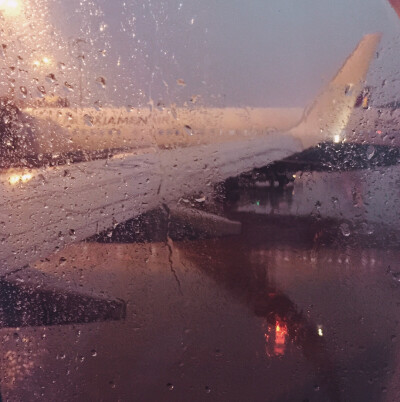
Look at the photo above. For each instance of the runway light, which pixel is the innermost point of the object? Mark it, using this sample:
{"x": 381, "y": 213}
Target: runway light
{"x": 44, "y": 61}
{"x": 320, "y": 331}
{"x": 26, "y": 177}
{"x": 336, "y": 139}
{"x": 14, "y": 179}
{"x": 20, "y": 178}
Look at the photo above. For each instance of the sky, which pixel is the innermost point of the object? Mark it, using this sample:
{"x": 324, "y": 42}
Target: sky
{"x": 211, "y": 52}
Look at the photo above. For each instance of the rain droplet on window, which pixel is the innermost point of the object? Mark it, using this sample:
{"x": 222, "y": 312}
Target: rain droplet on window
{"x": 88, "y": 120}
{"x": 98, "y": 105}
{"x": 23, "y": 91}
{"x": 51, "y": 78}
{"x": 188, "y": 129}
{"x": 345, "y": 229}
{"x": 101, "y": 81}
{"x": 370, "y": 151}
{"x": 68, "y": 86}
{"x": 42, "y": 90}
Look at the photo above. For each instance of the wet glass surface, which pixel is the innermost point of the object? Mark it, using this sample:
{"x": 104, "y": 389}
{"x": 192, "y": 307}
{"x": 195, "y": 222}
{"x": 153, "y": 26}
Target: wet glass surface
{"x": 199, "y": 200}
{"x": 293, "y": 308}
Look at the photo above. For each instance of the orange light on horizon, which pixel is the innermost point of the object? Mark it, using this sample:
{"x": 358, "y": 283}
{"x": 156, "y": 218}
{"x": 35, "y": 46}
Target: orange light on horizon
{"x": 20, "y": 178}
{"x": 10, "y": 7}
{"x": 45, "y": 61}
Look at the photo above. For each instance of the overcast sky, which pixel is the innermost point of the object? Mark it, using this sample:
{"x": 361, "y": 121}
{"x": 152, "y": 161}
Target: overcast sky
{"x": 230, "y": 52}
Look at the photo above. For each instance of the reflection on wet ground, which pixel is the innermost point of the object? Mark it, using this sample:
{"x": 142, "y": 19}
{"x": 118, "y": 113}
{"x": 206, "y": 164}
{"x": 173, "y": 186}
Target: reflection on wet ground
{"x": 298, "y": 307}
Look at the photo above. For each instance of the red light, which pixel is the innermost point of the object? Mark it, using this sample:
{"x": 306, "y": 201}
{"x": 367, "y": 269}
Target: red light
{"x": 280, "y": 338}
{"x": 275, "y": 339}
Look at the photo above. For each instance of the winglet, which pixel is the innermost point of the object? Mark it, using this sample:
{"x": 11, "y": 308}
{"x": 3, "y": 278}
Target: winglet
{"x": 328, "y": 116}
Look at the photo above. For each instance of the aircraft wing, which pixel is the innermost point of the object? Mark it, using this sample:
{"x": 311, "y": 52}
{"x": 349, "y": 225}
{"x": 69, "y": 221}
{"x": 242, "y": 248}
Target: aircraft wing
{"x": 60, "y": 205}
{"x": 45, "y": 209}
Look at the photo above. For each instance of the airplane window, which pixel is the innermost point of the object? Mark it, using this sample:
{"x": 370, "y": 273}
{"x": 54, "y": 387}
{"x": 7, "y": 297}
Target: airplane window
{"x": 199, "y": 200}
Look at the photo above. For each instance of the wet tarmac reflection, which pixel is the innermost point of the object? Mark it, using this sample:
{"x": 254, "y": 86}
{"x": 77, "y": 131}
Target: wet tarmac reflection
{"x": 290, "y": 310}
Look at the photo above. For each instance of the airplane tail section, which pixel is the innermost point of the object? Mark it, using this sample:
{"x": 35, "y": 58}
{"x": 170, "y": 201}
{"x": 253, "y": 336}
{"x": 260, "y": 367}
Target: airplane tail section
{"x": 396, "y": 6}
{"x": 328, "y": 116}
